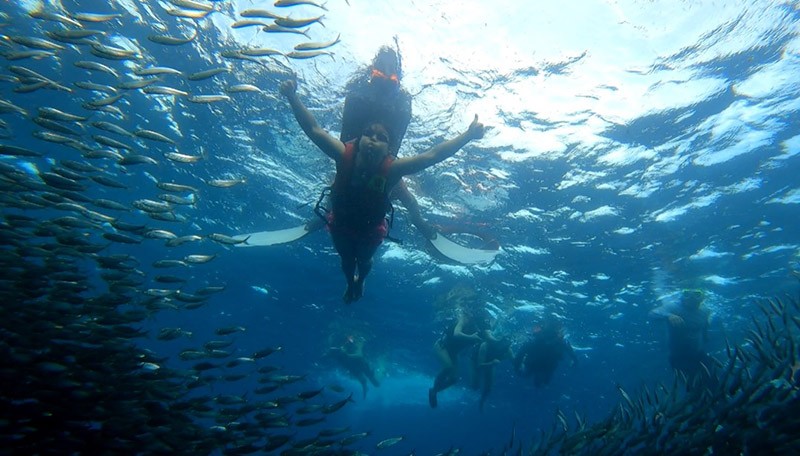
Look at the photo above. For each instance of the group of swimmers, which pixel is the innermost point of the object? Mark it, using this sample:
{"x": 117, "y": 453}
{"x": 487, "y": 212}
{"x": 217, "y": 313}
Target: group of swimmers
{"x": 470, "y": 337}
{"x": 471, "y": 333}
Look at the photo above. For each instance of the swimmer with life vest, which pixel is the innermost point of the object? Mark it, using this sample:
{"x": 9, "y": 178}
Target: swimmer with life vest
{"x": 375, "y": 94}
{"x": 366, "y": 172}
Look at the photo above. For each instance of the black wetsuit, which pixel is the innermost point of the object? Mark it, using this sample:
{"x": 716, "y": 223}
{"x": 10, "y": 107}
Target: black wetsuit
{"x": 540, "y": 356}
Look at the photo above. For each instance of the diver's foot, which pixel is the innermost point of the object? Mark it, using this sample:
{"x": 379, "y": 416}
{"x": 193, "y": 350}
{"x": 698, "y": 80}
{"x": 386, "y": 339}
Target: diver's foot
{"x": 357, "y": 290}
{"x": 432, "y": 398}
{"x": 348, "y": 294}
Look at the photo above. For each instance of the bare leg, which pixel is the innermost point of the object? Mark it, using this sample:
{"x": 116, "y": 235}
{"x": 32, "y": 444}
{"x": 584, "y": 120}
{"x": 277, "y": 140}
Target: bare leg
{"x": 446, "y": 378}
{"x": 487, "y": 384}
{"x": 363, "y": 380}
{"x": 364, "y": 264}
{"x": 347, "y": 252}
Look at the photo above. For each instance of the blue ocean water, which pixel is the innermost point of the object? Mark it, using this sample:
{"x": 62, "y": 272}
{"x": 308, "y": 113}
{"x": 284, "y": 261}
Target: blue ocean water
{"x": 615, "y": 174}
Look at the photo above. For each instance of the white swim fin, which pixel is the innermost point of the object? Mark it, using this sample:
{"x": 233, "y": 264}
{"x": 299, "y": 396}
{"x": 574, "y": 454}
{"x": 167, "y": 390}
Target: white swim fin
{"x": 265, "y": 238}
{"x": 461, "y": 254}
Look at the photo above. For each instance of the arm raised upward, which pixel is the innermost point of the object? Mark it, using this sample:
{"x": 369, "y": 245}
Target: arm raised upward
{"x": 440, "y": 152}
{"x": 331, "y": 146}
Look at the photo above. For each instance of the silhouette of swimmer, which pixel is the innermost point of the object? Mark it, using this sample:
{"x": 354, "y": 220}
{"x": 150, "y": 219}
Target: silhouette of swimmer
{"x": 540, "y": 355}
{"x": 350, "y": 356}
{"x": 687, "y": 333}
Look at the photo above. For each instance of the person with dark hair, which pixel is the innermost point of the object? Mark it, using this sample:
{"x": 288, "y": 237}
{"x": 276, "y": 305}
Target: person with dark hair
{"x": 540, "y": 355}
{"x": 365, "y": 174}
{"x": 490, "y": 352}
{"x": 687, "y": 333}
{"x": 375, "y": 95}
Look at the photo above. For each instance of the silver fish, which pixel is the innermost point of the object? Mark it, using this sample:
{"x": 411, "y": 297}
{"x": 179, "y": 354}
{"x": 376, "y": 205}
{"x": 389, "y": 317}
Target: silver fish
{"x": 317, "y": 46}
{"x": 155, "y": 136}
{"x": 183, "y": 158}
{"x": 172, "y": 40}
{"x": 205, "y": 74}
{"x": 297, "y": 23}
{"x": 162, "y": 90}
{"x": 96, "y": 66}
{"x": 198, "y": 259}
{"x": 208, "y": 98}
{"x": 285, "y": 3}
{"x": 96, "y": 17}
{"x": 225, "y": 183}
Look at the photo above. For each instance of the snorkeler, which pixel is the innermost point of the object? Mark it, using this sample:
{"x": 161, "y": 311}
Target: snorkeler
{"x": 489, "y": 353}
{"x": 365, "y": 174}
{"x": 687, "y": 333}
{"x": 350, "y": 355}
{"x": 375, "y": 94}
{"x": 464, "y": 334}
{"x": 540, "y": 355}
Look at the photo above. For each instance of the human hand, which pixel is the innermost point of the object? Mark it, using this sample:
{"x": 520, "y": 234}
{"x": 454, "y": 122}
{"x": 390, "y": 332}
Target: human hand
{"x": 476, "y": 129}
{"x": 288, "y": 88}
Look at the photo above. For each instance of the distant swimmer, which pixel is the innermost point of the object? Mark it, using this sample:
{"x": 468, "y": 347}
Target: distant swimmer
{"x": 350, "y": 356}
{"x": 365, "y": 174}
{"x": 540, "y": 355}
{"x": 489, "y": 353}
{"x": 687, "y": 333}
{"x": 471, "y": 322}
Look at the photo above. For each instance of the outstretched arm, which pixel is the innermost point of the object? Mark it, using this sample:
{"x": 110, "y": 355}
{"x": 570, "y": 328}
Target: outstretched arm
{"x": 401, "y": 192}
{"x": 417, "y": 163}
{"x": 331, "y": 146}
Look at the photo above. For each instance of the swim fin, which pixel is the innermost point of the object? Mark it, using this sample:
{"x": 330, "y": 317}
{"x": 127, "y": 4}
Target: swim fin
{"x": 461, "y": 254}
{"x": 265, "y": 238}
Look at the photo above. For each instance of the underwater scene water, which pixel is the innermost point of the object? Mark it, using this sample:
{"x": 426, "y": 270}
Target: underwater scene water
{"x": 638, "y": 155}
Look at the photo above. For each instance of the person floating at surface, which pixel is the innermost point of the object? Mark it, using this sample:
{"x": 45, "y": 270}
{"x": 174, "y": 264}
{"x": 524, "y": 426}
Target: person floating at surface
{"x": 490, "y": 352}
{"x": 464, "y": 334}
{"x": 540, "y": 355}
{"x": 687, "y": 333}
{"x": 350, "y": 355}
{"x": 376, "y": 94}
{"x": 365, "y": 173}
